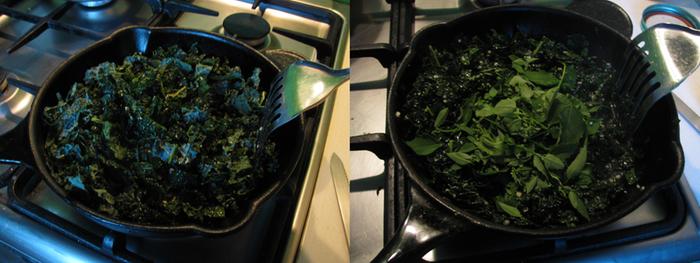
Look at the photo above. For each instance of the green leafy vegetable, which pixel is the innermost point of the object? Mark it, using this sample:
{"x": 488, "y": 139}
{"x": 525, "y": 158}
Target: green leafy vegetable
{"x": 578, "y": 204}
{"x": 164, "y": 138}
{"x": 423, "y": 146}
{"x": 511, "y": 210}
{"x": 577, "y": 164}
{"x": 521, "y": 130}
{"x": 460, "y": 158}
{"x": 441, "y": 117}
{"x": 552, "y": 162}
{"x": 541, "y": 78}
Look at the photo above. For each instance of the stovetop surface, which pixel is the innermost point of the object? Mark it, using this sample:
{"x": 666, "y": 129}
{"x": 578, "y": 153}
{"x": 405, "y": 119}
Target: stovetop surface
{"x": 371, "y": 23}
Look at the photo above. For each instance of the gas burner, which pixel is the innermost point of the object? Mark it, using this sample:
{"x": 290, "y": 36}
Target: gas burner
{"x": 486, "y": 3}
{"x": 249, "y": 28}
{"x": 14, "y": 105}
{"x": 92, "y": 3}
{"x": 282, "y": 58}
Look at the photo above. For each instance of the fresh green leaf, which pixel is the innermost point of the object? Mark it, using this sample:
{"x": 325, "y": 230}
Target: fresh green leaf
{"x": 578, "y": 204}
{"x": 542, "y": 184}
{"x": 537, "y": 162}
{"x": 486, "y": 111}
{"x": 441, "y": 117}
{"x": 578, "y": 163}
{"x": 511, "y": 210}
{"x": 467, "y": 147}
{"x": 530, "y": 184}
{"x": 460, "y": 158}
{"x": 504, "y": 107}
{"x": 573, "y": 126}
{"x": 423, "y": 146}
{"x": 541, "y": 78}
{"x": 552, "y": 162}
{"x": 523, "y": 86}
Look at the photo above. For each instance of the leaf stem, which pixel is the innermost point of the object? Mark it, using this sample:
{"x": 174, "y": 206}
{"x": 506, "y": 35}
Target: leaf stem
{"x": 433, "y": 54}
{"x": 561, "y": 79}
{"x": 537, "y": 49}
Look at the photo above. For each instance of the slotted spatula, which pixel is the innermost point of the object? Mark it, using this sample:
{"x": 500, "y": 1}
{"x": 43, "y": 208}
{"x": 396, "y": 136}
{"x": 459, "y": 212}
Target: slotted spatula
{"x": 300, "y": 87}
{"x": 672, "y": 54}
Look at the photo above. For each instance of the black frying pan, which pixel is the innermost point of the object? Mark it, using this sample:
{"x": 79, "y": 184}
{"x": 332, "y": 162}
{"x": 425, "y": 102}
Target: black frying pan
{"x": 432, "y": 216}
{"x": 289, "y": 139}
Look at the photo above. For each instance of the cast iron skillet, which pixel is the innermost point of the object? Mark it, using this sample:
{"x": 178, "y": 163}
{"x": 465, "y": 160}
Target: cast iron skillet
{"x": 289, "y": 139}
{"x": 433, "y": 216}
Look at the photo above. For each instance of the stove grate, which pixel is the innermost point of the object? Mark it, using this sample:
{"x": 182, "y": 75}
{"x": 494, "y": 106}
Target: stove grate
{"x": 169, "y": 8}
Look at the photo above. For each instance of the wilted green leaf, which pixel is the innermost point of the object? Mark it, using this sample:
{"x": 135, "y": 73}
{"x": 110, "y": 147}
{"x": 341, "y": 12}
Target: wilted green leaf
{"x": 578, "y": 204}
{"x": 460, "y": 158}
{"x": 511, "y": 210}
{"x": 423, "y": 146}
{"x": 504, "y": 107}
{"x": 441, "y": 117}
{"x": 530, "y": 184}
{"x": 552, "y": 162}
{"x": 541, "y": 78}
{"x": 577, "y": 164}
{"x": 537, "y": 162}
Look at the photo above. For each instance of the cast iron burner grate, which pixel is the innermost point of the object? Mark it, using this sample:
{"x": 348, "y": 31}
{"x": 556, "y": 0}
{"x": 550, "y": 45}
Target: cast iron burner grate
{"x": 492, "y": 246}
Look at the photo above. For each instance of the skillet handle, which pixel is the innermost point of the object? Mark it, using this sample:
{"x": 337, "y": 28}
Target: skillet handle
{"x": 424, "y": 227}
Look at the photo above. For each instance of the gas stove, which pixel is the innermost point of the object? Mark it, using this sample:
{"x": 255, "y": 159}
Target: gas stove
{"x": 36, "y": 36}
{"x": 665, "y": 228}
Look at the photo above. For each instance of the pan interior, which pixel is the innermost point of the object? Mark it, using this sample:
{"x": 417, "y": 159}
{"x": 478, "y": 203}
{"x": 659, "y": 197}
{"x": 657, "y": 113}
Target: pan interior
{"x": 659, "y": 132}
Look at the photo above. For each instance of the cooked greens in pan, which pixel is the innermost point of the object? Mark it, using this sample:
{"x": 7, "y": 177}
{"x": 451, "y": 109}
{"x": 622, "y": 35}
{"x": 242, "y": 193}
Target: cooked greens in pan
{"x": 164, "y": 138}
{"x": 520, "y": 130}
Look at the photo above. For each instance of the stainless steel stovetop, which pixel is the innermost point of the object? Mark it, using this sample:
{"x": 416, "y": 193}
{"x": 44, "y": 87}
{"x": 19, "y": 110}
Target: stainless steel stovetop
{"x": 29, "y": 51}
{"x": 371, "y": 23}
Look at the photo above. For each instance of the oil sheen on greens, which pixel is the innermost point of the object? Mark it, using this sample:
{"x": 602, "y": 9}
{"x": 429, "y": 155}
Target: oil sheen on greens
{"x": 519, "y": 130}
{"x": 160, "y": 139}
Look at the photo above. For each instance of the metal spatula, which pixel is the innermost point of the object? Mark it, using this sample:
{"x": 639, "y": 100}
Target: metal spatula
{"x": 300, "y": 87}
{"x": 673, "y": 53}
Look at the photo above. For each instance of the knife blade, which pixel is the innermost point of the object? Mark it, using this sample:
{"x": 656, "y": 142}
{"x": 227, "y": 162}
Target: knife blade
{"x": 687, "y": 112}
{"x": 342, "y": 190}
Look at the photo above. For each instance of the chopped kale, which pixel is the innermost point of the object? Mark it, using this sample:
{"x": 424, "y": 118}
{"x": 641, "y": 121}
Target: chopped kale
{"x": 520, "y": 130}
{"x": 163, "y": 139}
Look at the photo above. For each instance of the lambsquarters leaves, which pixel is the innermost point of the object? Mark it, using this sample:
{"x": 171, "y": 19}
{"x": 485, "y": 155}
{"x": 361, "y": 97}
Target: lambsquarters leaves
{"x": 441, "y": 117}
{"x": 541, "y": 78}
{"x": 460, "y": 158}
{"x": 537, "y": 162}
{"x": 423, "y": 146}
{"x": 573, "y": 127}
{"x": 530, "y": 184}
{"x": 511, "y": 210}
{"x": 513, "y": 130}
{"x": 578, "y": 204}
{"x": 552, "y": 162}
{"x": 504, "y": 107}
{"x": 577, "y": 164}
